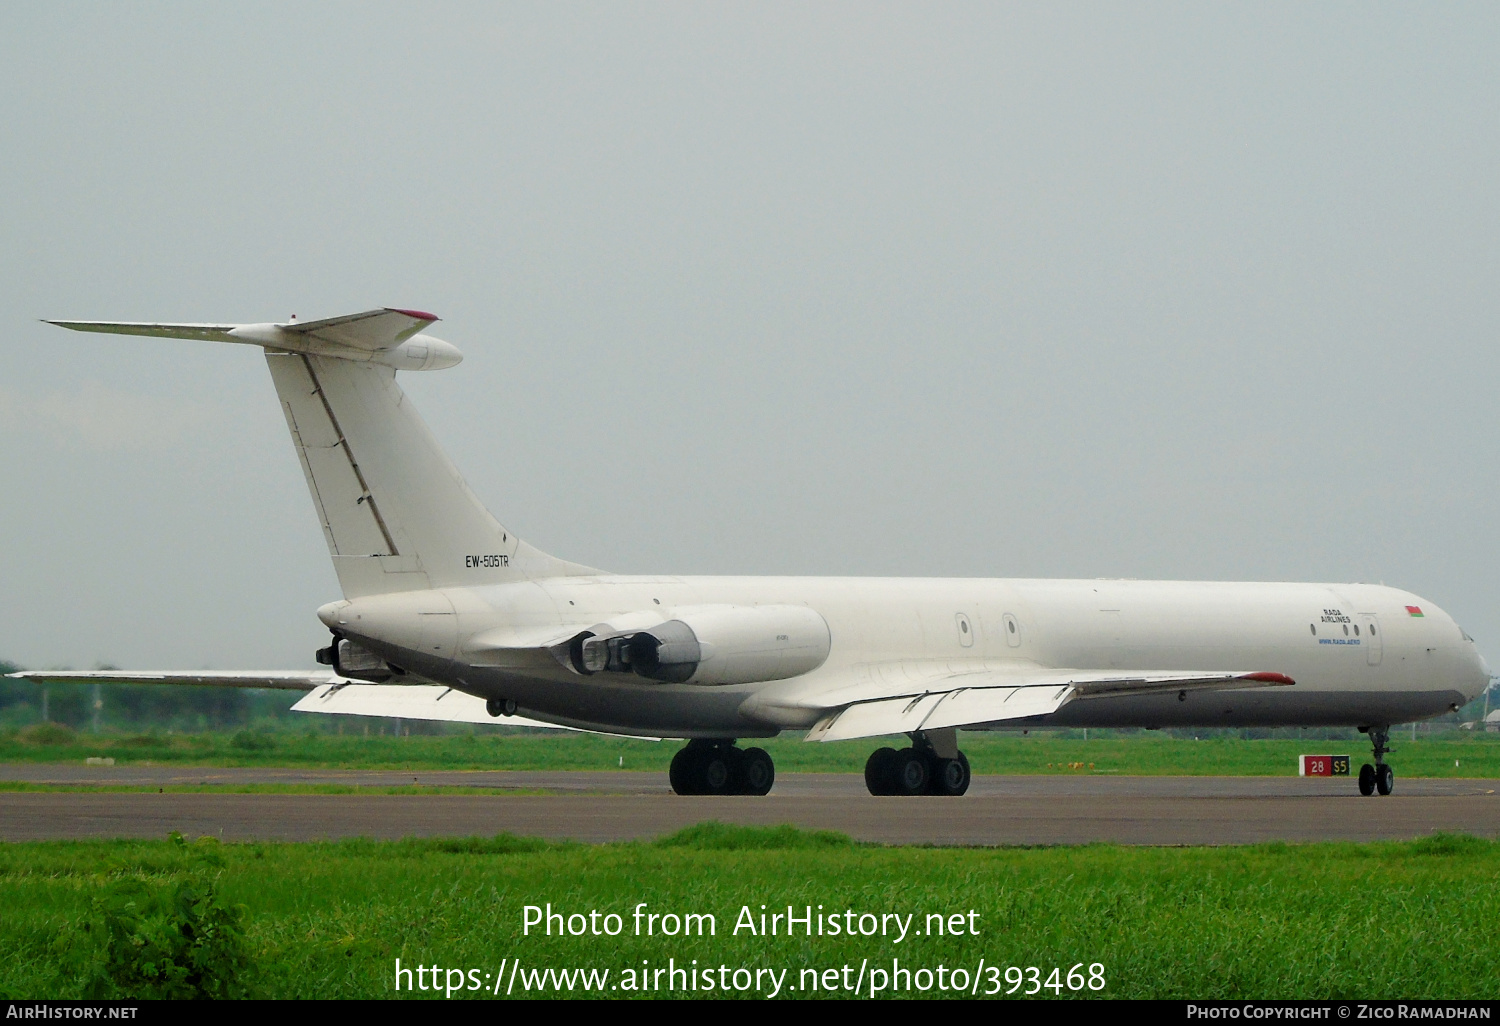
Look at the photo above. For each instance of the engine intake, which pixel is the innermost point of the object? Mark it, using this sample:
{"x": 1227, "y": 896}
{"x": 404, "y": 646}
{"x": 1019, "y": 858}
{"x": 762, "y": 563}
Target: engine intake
{"x": 352, "y": 660}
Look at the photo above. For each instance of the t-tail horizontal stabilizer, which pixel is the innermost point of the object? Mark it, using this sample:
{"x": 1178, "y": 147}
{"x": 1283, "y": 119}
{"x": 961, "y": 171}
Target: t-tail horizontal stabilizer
{"x": 387, "y": 336}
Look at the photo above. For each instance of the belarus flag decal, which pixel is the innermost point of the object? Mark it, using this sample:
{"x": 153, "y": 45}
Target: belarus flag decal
{"x": 1414, "y": 610}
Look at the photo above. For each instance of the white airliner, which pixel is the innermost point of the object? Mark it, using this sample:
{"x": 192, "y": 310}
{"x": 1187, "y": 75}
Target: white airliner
{"x": 447, "y": 615}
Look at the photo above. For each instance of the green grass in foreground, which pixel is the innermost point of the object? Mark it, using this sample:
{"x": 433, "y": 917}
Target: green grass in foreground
{"x": 1414, "y": 920}
{"x": 1448, "y": 755}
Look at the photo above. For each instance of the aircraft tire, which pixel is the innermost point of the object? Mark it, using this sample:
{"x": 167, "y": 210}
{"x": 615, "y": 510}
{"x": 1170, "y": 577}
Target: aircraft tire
{"x": 716, "y": 770}
{"x": 756, "y": 772}
{"x": 1367, "y": 780}
{"x": 680, "y": 773}
{"x": 879, "y": 772}
{"x": 950, "y": 777}
{"x": 910, "y": 774}
{"x": 1385, "y": 779}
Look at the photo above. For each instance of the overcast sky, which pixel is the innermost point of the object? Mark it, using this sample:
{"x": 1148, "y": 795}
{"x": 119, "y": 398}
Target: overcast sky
{"x": 1178, "y": 291}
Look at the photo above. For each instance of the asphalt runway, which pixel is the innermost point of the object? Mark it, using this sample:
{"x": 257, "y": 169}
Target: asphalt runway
{"x": 600, "y": 807}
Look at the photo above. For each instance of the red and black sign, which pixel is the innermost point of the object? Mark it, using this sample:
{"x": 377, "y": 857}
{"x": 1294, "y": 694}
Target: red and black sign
{"x": 1323, "y": 766}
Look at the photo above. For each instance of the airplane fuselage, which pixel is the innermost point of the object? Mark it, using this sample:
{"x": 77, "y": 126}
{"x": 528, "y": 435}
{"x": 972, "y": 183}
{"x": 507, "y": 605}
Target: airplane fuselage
{"x": 437, "y": 591}
{"x": 1360, "y": 654}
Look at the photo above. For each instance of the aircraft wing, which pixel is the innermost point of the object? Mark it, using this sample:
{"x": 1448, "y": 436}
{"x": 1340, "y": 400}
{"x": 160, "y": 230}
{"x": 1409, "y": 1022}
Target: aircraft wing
{"x": 408, "y": 702}
{"x": 288, "y": 680}
{"x": 327, "y": 693}
{"x": 986, "y": 697}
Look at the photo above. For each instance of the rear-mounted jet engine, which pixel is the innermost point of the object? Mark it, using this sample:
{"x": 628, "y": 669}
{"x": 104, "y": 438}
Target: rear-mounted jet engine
{"x": 710, "y": 645}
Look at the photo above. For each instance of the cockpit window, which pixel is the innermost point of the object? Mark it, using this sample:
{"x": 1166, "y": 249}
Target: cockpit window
{"x": 1466, "y": 635}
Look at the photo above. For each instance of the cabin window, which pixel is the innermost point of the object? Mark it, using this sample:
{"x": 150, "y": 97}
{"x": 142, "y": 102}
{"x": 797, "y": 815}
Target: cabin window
{"x": 1372, "y": 630}
{"x": 1313, "y": 629}
{"x": 1346, "y": 630}
{"x": 1356, "y": 630}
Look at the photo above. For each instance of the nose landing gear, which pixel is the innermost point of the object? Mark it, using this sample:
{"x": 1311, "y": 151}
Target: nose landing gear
{"x": 1379, "y": 777}
{"x": 718, "y": 767}
{"x": 932, "y": 765}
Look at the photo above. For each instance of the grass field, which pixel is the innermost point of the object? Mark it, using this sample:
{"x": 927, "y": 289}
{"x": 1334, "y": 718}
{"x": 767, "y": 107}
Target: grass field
{"x": 1414, "y": 920}
{"x": 1452, "y": 754}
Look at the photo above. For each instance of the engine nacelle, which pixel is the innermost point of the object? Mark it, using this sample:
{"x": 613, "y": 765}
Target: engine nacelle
{"x": 712, "y": 645}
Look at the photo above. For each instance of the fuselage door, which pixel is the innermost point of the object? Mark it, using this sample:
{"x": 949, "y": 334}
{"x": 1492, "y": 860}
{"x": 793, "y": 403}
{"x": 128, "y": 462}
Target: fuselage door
{"x": 1373, "y": 644}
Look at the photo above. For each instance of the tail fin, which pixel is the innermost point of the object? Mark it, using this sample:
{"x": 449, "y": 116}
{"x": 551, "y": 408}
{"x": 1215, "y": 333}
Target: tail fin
{"x": 396, "y": 513}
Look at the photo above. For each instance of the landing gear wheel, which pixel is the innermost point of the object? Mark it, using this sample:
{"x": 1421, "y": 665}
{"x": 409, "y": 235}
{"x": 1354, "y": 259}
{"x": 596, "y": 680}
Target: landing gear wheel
{"x": 950, "y": 776}
{"x": 880, "y": 772}
{"x": 911, "y": 773}
{"x": 1378, "y": 777}
{"x": 716, "y": 771}
{"x": 757, "y": 772}
{"x": 718, "y": 767}
{"x": 681, "y": 773}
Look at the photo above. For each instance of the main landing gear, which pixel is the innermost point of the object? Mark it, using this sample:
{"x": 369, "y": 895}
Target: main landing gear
{"x": 718, "y": 767}
{"x": 932, "y": 765}
{"x": 1378, "y": 777}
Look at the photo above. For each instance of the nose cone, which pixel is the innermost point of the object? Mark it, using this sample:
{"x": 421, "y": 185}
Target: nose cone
{"x": 1484, "y": 676}
{"x": 1478, "y": 675}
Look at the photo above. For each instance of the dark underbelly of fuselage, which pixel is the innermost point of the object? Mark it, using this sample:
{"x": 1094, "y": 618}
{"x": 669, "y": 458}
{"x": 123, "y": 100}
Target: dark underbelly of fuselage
{"x": 1268, "y": 707}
